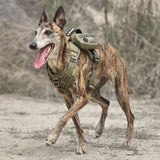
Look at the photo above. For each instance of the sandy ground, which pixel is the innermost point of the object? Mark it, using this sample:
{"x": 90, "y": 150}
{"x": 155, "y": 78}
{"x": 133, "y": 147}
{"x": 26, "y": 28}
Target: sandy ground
{"x": 26, "y": 122}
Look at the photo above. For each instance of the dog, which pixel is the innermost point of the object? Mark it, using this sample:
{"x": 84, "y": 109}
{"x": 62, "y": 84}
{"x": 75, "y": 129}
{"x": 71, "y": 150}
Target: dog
{"x": 54, "y": 49}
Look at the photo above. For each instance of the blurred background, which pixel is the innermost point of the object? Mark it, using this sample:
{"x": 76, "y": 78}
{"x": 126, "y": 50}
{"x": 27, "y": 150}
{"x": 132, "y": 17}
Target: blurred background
{"x": 131, "y": 26}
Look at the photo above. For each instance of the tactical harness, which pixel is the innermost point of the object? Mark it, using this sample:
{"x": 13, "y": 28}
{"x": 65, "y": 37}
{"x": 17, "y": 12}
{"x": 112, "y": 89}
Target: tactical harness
{"x": 65, "y": 79}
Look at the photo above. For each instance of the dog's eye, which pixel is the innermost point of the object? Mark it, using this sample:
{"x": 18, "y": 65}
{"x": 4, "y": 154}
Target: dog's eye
{"x": 35, "y": 33}
{"x": 48, "y": 32}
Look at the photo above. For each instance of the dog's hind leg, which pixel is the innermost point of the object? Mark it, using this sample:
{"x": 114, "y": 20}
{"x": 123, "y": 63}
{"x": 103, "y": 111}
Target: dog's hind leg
{"x": 123, "y": 99}
{"x": 104, "y": 103}
{"x": 82, "y": 144}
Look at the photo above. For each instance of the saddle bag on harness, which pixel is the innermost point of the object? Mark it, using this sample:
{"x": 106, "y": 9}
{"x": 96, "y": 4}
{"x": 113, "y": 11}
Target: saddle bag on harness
{"x": 87, "y": 43}
{"x": 83, "y": 41}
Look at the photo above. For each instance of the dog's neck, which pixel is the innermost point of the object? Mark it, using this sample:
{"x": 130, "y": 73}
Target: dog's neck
{"x": 60, "y": 58}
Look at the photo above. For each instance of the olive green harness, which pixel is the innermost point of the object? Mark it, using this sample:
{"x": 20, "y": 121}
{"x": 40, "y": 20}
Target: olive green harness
{"x": 65, "y": 79}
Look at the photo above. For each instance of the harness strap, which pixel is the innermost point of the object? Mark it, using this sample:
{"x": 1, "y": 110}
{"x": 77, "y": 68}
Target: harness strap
{"x": 65, "y": 79}
{"x": 90, "y": 82}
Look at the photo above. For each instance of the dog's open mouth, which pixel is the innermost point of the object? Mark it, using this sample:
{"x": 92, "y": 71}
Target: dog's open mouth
{"x": 43, "y": 55}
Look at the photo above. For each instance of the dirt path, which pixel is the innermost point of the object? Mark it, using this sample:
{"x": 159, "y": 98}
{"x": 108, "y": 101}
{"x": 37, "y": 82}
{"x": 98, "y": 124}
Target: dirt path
{"x": 26, "y": 122}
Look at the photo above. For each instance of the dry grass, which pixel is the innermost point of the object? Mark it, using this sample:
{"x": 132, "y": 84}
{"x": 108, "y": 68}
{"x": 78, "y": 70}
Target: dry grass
{"x": 133, "y": 27}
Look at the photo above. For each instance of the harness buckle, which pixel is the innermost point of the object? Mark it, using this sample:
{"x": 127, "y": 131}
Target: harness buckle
{"x": 56, "y": 82}
{"x": 71, "y": 32}
{"x": 73, "y": 58}
{"x": 95, "y": 56}
{"x": 90, "y": 85}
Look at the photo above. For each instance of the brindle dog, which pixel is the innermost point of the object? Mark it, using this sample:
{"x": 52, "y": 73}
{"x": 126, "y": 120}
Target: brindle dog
{"x": 54, "y": 49}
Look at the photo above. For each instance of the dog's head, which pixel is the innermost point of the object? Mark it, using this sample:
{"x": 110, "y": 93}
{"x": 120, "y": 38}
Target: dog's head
{"x": 48, "y": 36}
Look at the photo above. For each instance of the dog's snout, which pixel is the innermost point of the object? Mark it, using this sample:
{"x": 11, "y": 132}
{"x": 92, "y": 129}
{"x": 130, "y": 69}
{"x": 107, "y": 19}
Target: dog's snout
{"x": 33, "y": 45}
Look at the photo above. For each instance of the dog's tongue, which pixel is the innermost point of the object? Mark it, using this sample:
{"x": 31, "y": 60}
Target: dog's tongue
{"x": 40, "y": 60}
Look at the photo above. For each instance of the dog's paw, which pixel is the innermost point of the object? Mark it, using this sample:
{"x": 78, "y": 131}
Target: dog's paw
{"x": 81, "y": 149}
{"x": 99, "y": 130}
{"x": 52, "y": 138}
{"x": 126, "y": 144}
{"x": 98, "y": 135}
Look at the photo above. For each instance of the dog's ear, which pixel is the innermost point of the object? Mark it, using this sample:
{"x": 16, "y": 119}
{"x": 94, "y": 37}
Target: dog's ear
{"x": 43, "y": 17}
{"x": 59, "y": 17}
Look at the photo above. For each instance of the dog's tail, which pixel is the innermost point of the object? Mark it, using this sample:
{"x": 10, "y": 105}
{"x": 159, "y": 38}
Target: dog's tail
{"x": 130, "y": 90}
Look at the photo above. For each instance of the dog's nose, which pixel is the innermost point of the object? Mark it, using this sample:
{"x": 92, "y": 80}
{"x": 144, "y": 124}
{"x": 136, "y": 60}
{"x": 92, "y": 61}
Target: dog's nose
{"x": 33, "y": 45}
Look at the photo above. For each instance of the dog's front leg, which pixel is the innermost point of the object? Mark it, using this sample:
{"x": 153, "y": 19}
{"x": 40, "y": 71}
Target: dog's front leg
{"x": 79, "y": 103}
{"x": 82, "y": 144}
